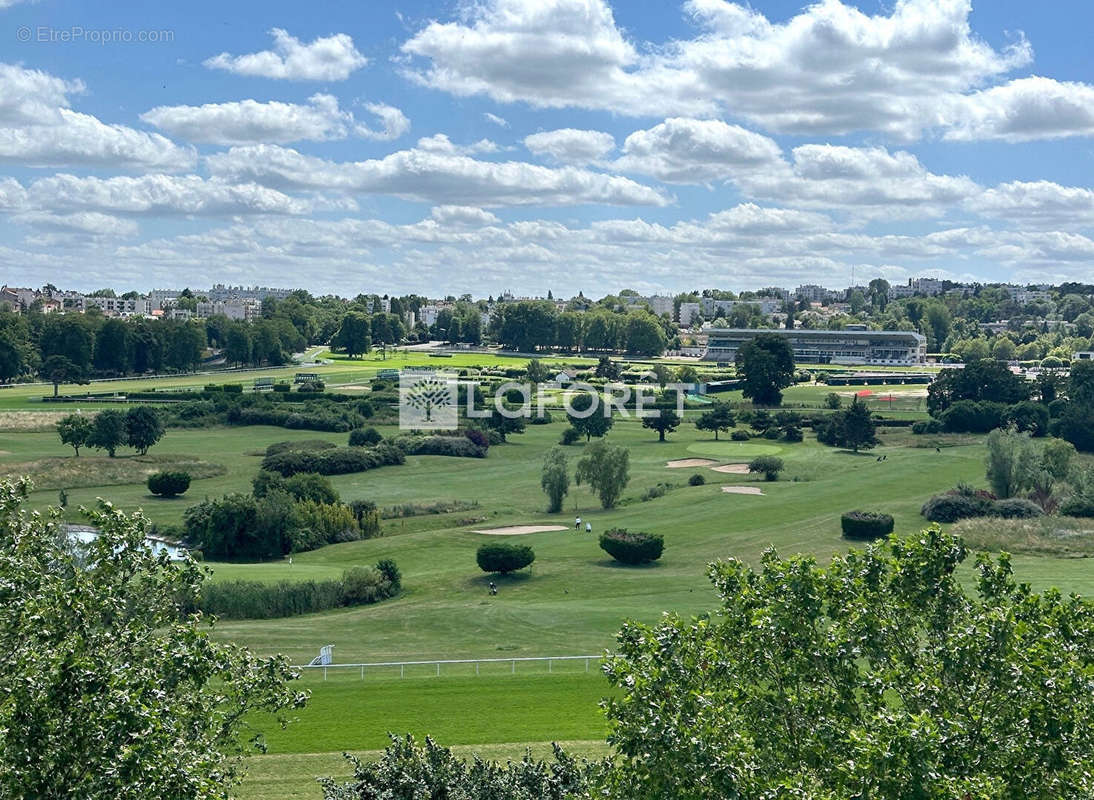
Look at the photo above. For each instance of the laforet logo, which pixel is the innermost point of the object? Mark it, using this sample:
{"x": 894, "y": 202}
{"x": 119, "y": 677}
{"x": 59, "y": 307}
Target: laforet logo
{"x": 427, "y": 402}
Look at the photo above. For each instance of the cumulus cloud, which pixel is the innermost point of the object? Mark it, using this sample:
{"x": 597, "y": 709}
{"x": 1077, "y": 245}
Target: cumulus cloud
{"x": 697, "y": 151}
{"x": 252, "y": 122}
{"x": 440, "y": 143}
{"x": 437, "y": 177}
{"x": 1023, "y": 110}
{"x": 39, "y": 129}
{"x": 1036, "y": 204}
{"x": 393, "y": 123}
{"x": 571, "y": 146}
{"x": 33, "y": 97}
{"x": 463, "y": 215}
{"x": 327, "y": 58}
{"x": 830, "y": 69}
{"x": 868, "y": 181}
{"x": 159, "y": 195}
{"x": 83, "y": 140}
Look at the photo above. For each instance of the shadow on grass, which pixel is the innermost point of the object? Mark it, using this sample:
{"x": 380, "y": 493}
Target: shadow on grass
{"x": 611, "y": 563}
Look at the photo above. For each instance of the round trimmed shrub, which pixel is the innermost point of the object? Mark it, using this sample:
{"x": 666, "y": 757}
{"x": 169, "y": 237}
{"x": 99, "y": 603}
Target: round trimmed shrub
{"x": 740, "y": 436}
{"x": 169, "y": 483}
{"x": 952, "y": 507}
{"x": 628, "y": 547}
{"x": 696, "y": 480}
{"x": 364, "y": 437}
{"x": 504, "y": 558}
{"x": 866, "y": 525}
{"x": 1016, "y": 508}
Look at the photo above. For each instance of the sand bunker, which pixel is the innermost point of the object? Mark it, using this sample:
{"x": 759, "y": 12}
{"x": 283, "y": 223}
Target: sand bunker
{"x": 742, "y": 490}
{"x": 732, "y": 469}
{"x": 518, "y": 530}
{"x": 690, "y": 462}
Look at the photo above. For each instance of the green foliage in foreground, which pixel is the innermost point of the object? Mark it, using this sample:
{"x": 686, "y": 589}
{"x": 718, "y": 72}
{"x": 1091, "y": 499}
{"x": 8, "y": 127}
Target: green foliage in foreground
{"x": 107, "y": 691}
{"x": 876, "y": 676}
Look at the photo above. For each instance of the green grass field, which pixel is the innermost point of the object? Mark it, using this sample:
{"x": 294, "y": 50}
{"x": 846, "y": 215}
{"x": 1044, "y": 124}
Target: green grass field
{"x": 573, "y": 599}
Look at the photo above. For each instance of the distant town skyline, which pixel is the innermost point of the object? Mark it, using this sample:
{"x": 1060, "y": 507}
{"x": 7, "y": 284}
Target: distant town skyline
{"x": 538, "y": 145}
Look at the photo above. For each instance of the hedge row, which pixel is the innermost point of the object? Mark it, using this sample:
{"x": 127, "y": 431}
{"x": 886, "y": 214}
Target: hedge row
{"x": 963, "y": 504}
{"x": 243, "y": 599}
{"x": 458, "y": 446}
{"x": 335, "y": 461}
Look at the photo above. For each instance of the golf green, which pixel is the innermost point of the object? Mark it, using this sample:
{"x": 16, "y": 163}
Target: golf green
{"x": 738, "y": 450}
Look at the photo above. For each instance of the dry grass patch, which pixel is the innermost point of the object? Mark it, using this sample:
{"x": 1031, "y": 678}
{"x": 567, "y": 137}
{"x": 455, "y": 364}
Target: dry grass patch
{"x": 1062, "y": 537}
{"x": 74, "y": 473}
{"x": 684, "y": 463}
{"x": 34, "y": 421}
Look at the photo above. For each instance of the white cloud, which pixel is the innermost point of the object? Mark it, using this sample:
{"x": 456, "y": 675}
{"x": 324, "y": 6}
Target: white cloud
{"x": 697, "y": 151}
{"x": 329, "y": 58}
{"x": 463, "y": 215}
{"x": 501, "y": 122}
{"x": 393, "y": 123}
{"x": 38, "y": 129}
{"x": 437, "y": 177}
{"x": 830, "y": 69}
{"x": 867, "y": 181}
{"x": 12, "y": 194}
{"x": 1023, "y": 110}
{"x": 83, "y": 140}
{"x": 440, "y": 143}
{"x": 571, "y": 146}
{"x": 159, "y": 195}
{"x": 86, "y": 222}
{"x": 1036, "y": 204}
{"x": 32, "y": 97}
{"x": 249, "y": 121}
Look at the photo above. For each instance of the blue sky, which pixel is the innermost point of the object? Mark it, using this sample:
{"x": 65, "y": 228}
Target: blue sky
{"x": 445, "y": 147}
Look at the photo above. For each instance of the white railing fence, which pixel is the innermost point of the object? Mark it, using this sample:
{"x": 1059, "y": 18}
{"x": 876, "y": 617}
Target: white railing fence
{"x": 434, "y": 668}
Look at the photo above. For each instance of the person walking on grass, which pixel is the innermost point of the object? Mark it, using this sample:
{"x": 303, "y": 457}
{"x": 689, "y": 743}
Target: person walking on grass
{"x": 588, "y": 527}
{"x": 577, "y": 523}
{"x": 493, "y": 589}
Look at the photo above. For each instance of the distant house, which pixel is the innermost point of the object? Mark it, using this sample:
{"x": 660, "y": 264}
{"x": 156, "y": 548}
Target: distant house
{"x": 564, "y": 378}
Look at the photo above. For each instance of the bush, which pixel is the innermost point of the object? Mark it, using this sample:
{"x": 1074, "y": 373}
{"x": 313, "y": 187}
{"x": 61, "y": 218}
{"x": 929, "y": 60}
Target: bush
{"x": 504, "y": 558}
{"x": 696, "y": 480}
{"x": 832, "y": 400}
{"x": 303, "y": 444}
{"x": 233, "y": 388}
{"x": 792, "y": 433}
{"x": 169, "y": 483}
{"x": 570, "y": 436}
{"x": 1015, "y": 508}
{"x": 866, "y": 525}
{"x": 740, "y": 436}
{"x": 361, "y": 585}
{"x": 770, "y": 466}
{"x": 1028, "y": 416}
{"x": 632, "y": 548}
{"x": 390, "y": 570}
{"x": 259, "y": 600}
{"x": 926, "y": 426}
{"x": 952, "y": 507}
{"x": 771, "y": 433}
{"x": 542, "y": 419}
{"x": 282, "y": 388}
{"x": 973, "y": 416}
{"x": 336, "y": 461}
{"x": 458, "y": 446}
{"x": 477, "y": 437}
{"x": 368, "y": 517}
{"x": 1078, "y": 507}
{"x": 364, "y": 437}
